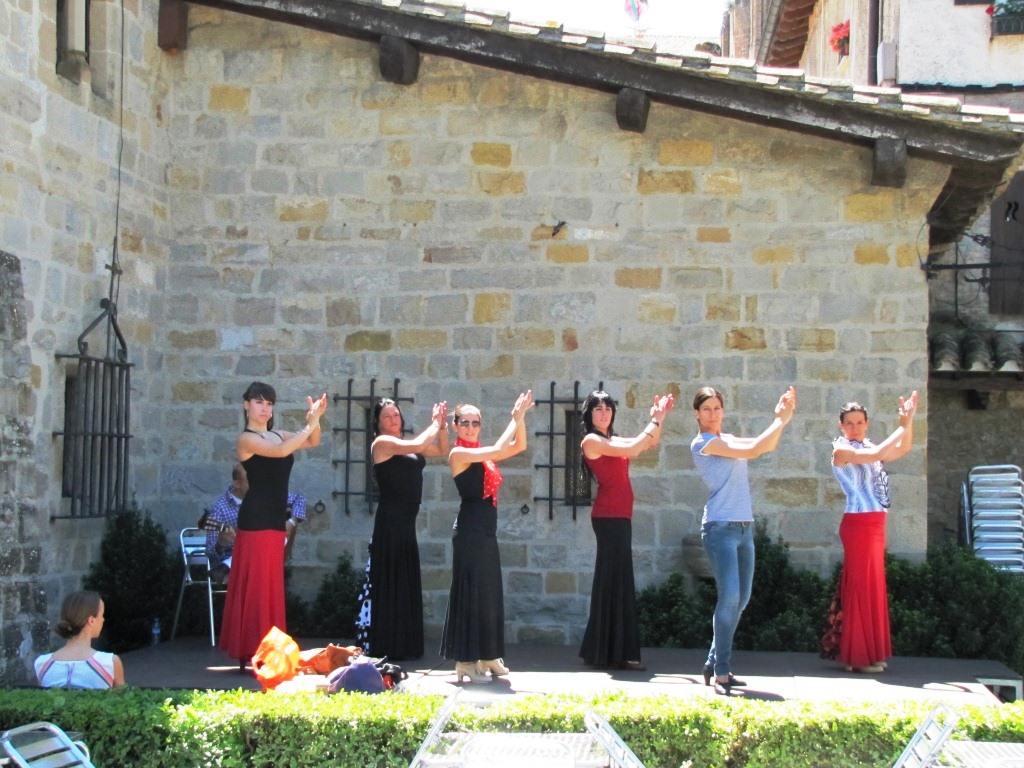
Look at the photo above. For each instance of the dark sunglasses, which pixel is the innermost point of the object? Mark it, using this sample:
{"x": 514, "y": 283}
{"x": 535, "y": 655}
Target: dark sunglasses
{"x": 468, "y": 423}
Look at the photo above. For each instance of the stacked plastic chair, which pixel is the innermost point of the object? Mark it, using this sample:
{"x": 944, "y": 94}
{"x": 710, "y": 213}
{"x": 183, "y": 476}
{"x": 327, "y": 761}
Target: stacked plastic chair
{"x": 992, "y": 499}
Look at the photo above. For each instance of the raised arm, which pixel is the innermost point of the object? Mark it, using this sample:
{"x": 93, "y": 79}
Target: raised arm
{"x": 595, "y": 445}
{"x": 431, "y": 442}
{"x": 731, "y": 447}
{"x": 250, "y": 444}
{"x": 511, "y": 442}
{"x": 896, "y": 445}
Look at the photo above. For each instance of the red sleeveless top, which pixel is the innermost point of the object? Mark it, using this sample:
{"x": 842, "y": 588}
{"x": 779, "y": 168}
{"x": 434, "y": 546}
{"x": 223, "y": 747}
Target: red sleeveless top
{"x": 614, "y": 491}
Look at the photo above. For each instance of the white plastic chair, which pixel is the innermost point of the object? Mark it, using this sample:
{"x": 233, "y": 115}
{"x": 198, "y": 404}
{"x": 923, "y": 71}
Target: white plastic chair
{"x": 43, "y": 745}
{"x": 197, "y": 574}
{"x": 927, "y": 743}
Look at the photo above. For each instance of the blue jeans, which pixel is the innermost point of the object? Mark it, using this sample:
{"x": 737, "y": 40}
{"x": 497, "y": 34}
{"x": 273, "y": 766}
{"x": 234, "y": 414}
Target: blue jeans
{"x": 730, "y": 551}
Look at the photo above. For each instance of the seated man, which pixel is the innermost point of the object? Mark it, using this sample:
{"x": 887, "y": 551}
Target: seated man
{"x": 221, "y": 519}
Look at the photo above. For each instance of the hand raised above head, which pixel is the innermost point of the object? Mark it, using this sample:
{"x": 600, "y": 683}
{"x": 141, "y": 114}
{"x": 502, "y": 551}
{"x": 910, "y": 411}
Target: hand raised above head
{"x": 786, "y": 406}
{"x": 908, "y": 407}
{"x": 523, "y": 403}
{"x": 662, "y": 406}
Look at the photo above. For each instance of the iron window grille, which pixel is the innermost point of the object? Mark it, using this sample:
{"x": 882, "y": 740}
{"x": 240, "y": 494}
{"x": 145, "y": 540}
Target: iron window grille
{"x": 97, "y": 429}
{"x": 567, "y": 482}
{"x": 355, "y": 435}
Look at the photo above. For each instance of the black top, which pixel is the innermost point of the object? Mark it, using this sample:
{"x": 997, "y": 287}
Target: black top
{"x": 265, "y": 506}
{"x": 400, "y": 479}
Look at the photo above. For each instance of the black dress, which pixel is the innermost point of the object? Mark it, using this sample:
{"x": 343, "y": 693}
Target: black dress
{"x": 474, "y": 627}
{"x": 391, "y": 615}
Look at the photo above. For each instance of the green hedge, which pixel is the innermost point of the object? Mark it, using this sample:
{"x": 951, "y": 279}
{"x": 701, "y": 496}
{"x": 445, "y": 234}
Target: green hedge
{"x": 135, "y": 728}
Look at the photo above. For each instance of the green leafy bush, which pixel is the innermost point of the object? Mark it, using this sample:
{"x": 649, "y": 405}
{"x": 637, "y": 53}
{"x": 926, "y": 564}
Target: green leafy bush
{"x": 334, "y": 611}
{"x": 138, "y": 576}
{"x": 954, "y": 605}
{"x": 133, "y": 728}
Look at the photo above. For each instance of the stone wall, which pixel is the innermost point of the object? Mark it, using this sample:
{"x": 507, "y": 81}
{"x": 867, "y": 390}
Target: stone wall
{"x": 286, "y": 215}
{"x": 332, "y": 226}
{"x": 61, "y": 201}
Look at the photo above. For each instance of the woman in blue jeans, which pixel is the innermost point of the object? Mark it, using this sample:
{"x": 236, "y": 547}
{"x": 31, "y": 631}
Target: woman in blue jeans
{"x": 727, "y": 527}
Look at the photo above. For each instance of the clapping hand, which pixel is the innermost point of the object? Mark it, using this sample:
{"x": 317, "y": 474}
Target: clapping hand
{"x": 440, "y": 414}
{"x": 523, "y": 403}
{"x": 661, "y": 407}
{"x": 315, "y": 409}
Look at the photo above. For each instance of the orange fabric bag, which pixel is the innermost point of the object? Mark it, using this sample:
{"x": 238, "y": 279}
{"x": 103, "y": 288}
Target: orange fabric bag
{"x": 276, "y": 660}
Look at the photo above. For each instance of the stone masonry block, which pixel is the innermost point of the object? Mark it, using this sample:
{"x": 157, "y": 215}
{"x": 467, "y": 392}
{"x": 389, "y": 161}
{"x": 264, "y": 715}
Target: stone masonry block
{"x": 492, "y": 307}
{"x": 417, "y": 338}
{"x": 879, "y": 206}
{"x": 742, "y": 339}
{"x": 261, "y": 311}
{"x": 639, "y": 277}
{"x": 256, "y": 365}
{"x": 413, "y": 211}
{"x": 526, "y": 338}
{"x": 666, "y": 183}
{"x": 811, "y": 340}
{"x": 309, "y": 210}
{"x": 791, "y": 491}
{"x": 714, "y": 235}
{"x": 725, "y": 182}
{"x": 191, "y": 392}
{"x": 447, "y": 91}
{"x": 229, "y": 98}
{"x": 193, "y": 339}
{"x": 342, "y": 312}
{"x": 491, "y": 153}
{"x": 368, "y": 341}
{"x": 722, "y": 306}
{"x": 501, "y": 366}
{"x": 686, "y": 152}
{"x": 783, "y": 254}
{"x": 501, "y": 184}
{"x": 656, "y": 311}
{"x": 567, "y": 253}
{"x": 560, "y": 582}
{"x": 871, "y": 253}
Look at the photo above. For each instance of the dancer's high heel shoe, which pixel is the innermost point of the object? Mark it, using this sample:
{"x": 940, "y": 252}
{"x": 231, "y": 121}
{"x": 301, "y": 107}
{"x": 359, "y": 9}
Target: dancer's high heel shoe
{"x": 709, "y": 672}
{"x": 495, "y": 666}
{"x": 471, "y": 669}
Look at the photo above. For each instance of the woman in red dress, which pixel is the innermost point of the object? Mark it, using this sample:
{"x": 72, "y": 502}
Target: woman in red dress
{"x": 255, "y": 600}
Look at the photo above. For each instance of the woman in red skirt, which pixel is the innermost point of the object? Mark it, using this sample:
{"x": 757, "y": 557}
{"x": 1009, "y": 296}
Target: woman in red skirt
{"x": 859, "y": 635}
{"x": 255, "y": 600}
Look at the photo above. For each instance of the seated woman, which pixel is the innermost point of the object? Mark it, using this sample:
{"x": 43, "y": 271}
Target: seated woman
{"x": 77, "y": 665}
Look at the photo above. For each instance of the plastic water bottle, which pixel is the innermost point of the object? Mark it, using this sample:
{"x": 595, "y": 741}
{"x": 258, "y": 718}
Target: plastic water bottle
{"x": 155, "y": 639}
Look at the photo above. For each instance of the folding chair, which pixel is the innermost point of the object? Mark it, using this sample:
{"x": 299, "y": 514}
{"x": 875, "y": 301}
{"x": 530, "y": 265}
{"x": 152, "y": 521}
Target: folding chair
{"x": 621, "y": 755}
{"x": 197, "y": 574}
{"x": 43, "y": 745}
{"x": 924, "y": 748}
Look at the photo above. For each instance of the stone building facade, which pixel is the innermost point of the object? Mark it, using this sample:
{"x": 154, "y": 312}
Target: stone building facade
{"x": 284, "y": 214}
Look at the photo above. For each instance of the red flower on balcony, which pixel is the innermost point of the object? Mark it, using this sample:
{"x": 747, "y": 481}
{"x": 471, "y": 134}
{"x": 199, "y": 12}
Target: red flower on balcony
{"x": 840, "y": 38}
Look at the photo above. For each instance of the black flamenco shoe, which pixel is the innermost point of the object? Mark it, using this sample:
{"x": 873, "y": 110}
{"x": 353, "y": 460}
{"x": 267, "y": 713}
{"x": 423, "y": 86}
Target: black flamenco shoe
{"x": 723, "y": 689}
{"x": 734, "y": 682}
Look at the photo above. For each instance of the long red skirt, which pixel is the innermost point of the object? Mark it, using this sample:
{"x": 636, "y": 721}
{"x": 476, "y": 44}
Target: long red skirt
{"x": 865, "y": 638}
{"x": 255, "y": 600}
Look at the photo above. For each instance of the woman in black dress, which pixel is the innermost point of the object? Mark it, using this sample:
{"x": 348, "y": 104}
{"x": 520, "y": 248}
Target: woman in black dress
{"x": 474, "y": 627}
{"x": 391, "y": 604}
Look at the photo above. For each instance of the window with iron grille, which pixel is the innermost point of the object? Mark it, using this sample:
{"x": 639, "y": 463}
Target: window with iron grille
{"x": 566, "y": 480}
{"x": 97, "y": 400}
{"x": 353, "y": 436}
